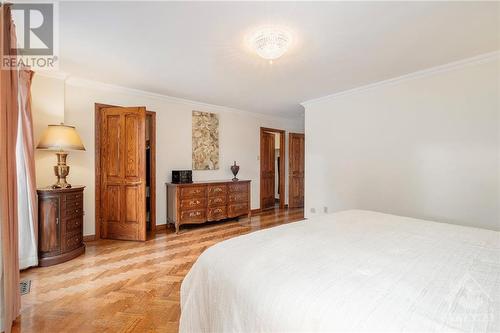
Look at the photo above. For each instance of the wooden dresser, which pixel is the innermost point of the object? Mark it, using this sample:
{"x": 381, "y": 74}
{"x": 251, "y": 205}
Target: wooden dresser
{"x": 60, "y": 225}
{"x": 200, "y": 202}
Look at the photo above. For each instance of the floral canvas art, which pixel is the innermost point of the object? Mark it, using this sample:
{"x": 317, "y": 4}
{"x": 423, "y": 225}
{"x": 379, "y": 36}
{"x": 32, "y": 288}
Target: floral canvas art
{"x": 205, "y": 141}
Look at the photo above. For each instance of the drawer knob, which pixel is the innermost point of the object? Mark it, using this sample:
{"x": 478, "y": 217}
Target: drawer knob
{"x": 194, "y": 214}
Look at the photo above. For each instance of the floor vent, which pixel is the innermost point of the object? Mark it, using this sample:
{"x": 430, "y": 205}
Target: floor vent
{"x": 25, "y": 287}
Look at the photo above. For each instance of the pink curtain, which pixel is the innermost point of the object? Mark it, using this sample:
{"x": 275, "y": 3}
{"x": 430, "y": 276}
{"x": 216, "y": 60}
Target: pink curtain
{"x": 25, "y": 78}
{"x": 9, "y": 112}
{"x": 26, "y": 182}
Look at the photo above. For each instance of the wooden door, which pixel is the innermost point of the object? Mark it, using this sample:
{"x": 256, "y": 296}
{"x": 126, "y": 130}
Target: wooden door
{"x": 296, "y": 170}
{"x": 267, "y": 170}
{"x": 123, "y": 174}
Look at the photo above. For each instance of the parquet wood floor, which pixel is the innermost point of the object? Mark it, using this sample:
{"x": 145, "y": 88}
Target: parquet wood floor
{"x": 120, "y": 286}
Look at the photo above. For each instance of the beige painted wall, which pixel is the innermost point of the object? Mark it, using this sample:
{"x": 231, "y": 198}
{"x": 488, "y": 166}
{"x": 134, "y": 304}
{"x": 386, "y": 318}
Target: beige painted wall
{"x": 427, "y": 146}
{"x": 48, "y": 108}
{"x": 239, "y": 136}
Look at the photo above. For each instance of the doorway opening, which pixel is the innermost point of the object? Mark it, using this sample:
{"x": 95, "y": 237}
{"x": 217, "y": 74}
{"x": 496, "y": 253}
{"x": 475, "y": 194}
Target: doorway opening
{"x": 277, "y": 164}
{"x": 296, "y": 170}
{"x": 125, "y": 172}
{"x": 272, "y": 168}
{"x": 150, "y": 173}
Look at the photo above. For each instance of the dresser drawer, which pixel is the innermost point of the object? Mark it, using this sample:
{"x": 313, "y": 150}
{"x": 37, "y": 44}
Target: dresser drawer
{"x": 187, "y": 204}
{"x": 237, "y": 209}
{"x": 217, "y": 190}
{"x": 238, "y": 197}
{"x": 217, "y": 213}
{"x": 193, "y": 191}
{"x": 238, "y": 188}
{"x": 193, "y": 216}
{"x": 216, "y": 201}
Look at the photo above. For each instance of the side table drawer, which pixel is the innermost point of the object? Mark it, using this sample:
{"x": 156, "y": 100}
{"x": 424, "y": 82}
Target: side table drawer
{"x": 73, "y": 241}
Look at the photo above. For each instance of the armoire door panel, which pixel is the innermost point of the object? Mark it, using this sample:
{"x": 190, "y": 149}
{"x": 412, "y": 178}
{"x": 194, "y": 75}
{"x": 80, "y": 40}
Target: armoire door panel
{"x": 132, "y": 145}
{"x": 111, "y": 146}
{"x": 121, "y": 231}
{"x": 133, "y": 203}
{"x": 113, "y": 205}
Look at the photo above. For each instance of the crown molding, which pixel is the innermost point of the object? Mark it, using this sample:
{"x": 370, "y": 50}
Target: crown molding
{"x": 483, "y": 58}
{"x": 53, "y": 74}
{"x": 92, "y": 84}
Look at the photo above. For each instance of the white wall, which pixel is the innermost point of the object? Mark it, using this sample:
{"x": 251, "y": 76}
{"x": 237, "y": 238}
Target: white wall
{"x": 238, "y": 136}
{"x": 426, "y": 146}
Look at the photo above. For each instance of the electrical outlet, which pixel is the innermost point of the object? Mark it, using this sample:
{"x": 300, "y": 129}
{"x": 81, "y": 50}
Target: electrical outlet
{"x": 325, "y": 209}
{"x": 313, "y": 210}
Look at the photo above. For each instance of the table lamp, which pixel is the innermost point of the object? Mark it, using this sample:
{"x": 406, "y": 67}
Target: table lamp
{"x": 61, "y": 138}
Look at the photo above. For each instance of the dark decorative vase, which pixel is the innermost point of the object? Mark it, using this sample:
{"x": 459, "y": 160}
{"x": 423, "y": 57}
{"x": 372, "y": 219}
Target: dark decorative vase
{"x": 235, "y": 168}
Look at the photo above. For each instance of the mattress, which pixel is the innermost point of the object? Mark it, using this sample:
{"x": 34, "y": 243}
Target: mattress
{"x": 351, "y": 271}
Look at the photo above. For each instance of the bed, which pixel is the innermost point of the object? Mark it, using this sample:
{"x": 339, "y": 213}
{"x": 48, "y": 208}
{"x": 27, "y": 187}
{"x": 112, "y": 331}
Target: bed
{"x": 351, "y": 271}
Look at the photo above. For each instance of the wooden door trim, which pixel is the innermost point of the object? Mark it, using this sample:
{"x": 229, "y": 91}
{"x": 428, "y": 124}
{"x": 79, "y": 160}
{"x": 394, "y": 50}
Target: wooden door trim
{"x": 152, "y": 187}
{"x": 97, "y": 148}
{"x": 290, "y": 135}
{"x": 97, "y": 153}
{"x": 282, "y": 165}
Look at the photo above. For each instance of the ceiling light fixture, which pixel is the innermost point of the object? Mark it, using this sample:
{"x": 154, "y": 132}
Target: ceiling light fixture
{"x": 270, "y": 42}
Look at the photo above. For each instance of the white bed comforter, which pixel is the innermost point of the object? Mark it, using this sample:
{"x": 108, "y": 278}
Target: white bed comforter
{"x": 350, "y": 271}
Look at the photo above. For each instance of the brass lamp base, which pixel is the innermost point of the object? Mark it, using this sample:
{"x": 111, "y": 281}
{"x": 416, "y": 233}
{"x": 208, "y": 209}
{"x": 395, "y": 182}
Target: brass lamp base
{"x": 61, "y": 170}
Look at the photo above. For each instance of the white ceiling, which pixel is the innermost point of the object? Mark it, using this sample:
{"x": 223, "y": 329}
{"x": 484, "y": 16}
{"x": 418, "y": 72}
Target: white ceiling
{"x": 196, "y": 50}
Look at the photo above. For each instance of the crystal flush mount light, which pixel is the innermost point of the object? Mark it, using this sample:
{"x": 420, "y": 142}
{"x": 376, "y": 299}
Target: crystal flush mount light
{"x": 270, "y": 42}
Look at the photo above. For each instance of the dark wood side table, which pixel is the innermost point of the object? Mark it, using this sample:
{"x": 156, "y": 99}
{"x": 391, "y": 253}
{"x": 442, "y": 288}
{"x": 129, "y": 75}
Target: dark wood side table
{"x": 60, "y": 225}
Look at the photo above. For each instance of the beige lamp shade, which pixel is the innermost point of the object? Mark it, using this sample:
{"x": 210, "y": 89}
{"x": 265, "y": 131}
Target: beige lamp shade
{"x": 60, "y": 137}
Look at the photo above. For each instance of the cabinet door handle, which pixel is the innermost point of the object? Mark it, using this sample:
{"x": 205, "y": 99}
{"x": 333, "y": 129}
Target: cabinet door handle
{"x": 57, "y": 220}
